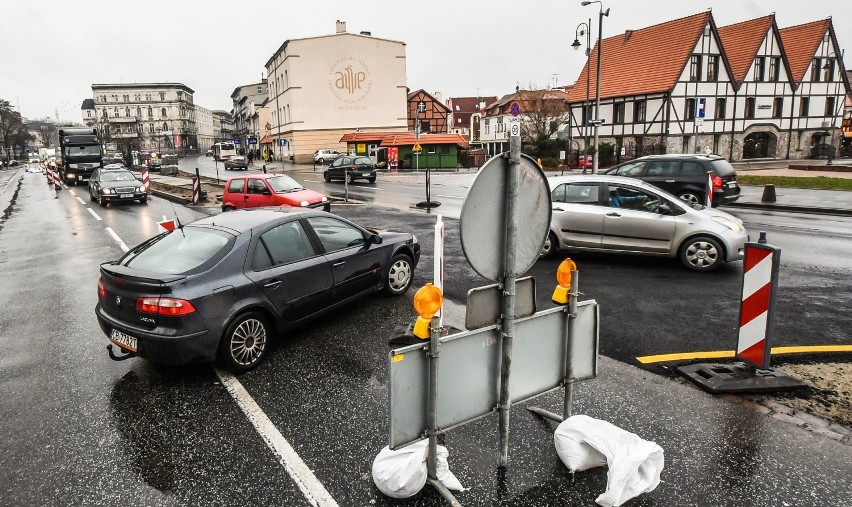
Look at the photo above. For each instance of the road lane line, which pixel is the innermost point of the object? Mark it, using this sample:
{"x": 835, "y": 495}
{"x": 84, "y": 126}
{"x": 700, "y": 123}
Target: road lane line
{"x": 117, "y": 239}
{"x": 72, "y": 192}
{"x": 81, "y": 201}
{"x": 451, "y": 196}
{"x": 93, "y": 213}
{"x": 722, "y": 354}
{"x": 311, "y": 487}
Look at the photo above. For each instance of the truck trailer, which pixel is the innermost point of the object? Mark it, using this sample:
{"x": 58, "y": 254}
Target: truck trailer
{"x": 79, "y": 153}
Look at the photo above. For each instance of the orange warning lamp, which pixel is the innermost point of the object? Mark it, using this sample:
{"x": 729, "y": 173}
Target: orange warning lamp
{"x": 563, "y": 278}
{"x": 427, "y": 302}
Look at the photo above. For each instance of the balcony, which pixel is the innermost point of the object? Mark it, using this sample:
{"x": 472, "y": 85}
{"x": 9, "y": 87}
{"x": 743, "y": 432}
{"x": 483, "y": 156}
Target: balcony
{"x": 124, "y": 119}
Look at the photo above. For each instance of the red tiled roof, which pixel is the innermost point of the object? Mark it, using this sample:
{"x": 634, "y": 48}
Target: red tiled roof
{"x": 526, "y": 100}
{"x": 403, "y": 138}
{"x": 741, "y": 42}
{"x": 800, "y": 43}
{"x": 641, "y": 61}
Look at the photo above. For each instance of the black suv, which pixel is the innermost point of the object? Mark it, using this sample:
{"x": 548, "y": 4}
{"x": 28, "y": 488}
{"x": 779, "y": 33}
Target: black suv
{"x": 685, "y": 176}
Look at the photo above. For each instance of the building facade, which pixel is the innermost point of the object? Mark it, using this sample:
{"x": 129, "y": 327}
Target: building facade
{"x": 223, "y": 126}
{"x": 540, "y": 113}
{"x": 744, "y": 91}
{"x": 204, "y": 122}
{"x": 321, "y": 88}
{"x": 157, "y": 117}
{"x": 246, "y": 99}
{"x": 465, "y": 116}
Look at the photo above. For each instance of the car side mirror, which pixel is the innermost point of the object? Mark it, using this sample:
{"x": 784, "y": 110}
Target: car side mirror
{"x": 375, "y": 239}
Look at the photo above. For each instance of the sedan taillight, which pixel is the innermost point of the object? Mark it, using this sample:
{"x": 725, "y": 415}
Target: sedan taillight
{"x": 717, "y": 182}
{"x": 101, "y": 289}
{"x": 170, "y": 307}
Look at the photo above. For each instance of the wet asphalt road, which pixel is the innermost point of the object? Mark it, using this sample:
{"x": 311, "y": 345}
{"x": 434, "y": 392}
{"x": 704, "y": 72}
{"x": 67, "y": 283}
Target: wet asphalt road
{"x": 80, "y": 429}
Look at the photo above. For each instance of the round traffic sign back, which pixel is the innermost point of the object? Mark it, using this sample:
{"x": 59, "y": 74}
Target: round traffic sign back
{"x": 483, "y": 224}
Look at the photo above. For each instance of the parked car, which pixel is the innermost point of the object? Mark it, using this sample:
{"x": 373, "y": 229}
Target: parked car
{"x": 584, "y": 161}
{"x": 209, "y": 152}
{"x": 625, "y": 215}
{"x": 324, "y": 155}
{"x": 351, "y": 168}
{"x": 270, "y": 190}
{"x": 685, "y": 176}
{"x": 155, "y": 164}
{"x": 236, "y": 162}
{"x": 225, "y": 286}
{"x": 112, "y": 185}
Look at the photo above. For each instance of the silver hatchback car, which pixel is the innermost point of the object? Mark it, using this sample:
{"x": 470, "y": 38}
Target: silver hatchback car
{"x": 626, "y": 215}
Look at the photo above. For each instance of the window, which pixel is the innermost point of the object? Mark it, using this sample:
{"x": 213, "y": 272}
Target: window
{"x": 259, "y": 90}
{"x": 622, "y": 196}
{"x": 151, "y": 128}
{"x": 663, "y": 168}
{"x": 689, "y": 110}
{"x": 712, "y": 68}
{"x": 127, "y": 111}
{"x": 716, "y": 140}
{"x": 690, "y": 169}
{"x": 749, "y": 107}
{"x": 774, "y": 68}
{"x": 618, "y": 112}
{"x": 487, "y": 126}
{"x": 88, "y": 114}
{"x": 150, "y": 112}
{"x": 138, "y": 111}
{"x": 760, "y": 68}
{"x": 828, "y": 73}
{"x": 639, "y": 111}
{"x": 458, "y": 120}
{"x": 804, "y": 106}
{"x": 577, "y": 193}
{"x": 163, "y": 112}
{"x": 281, "y": 245}
{"x": 256, "y": 186}
{"x": 148, "y": 97}
{"x": 162, "y": 96}
{"x": 777, "y": 107}
{"x": 816, "y": 68}
{"x": 721, "y": 105}
{"x": 115, "y": 112}
{"x": 458, "y": 107}
{"x": 165, "y": 127}
{"x": 695, "y": 68}
{"x": 685, "y": 146}
{"x": 631, "y": 169}
{"x": 336, "y": 235}
{"x": 430, "y": 149}
{"x": 829, "y": 107}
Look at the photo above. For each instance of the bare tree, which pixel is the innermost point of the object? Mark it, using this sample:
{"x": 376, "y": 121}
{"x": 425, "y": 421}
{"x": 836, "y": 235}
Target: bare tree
{"x": 543, "y": 112}
{"x": 12, "y": 129}
{"x": 46, "y": 132}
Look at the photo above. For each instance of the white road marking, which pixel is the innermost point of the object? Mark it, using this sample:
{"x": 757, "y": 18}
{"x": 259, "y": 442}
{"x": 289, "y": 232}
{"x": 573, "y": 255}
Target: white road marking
{"x": 451, "y": 196}
{"x": 72, "y": 192}
{"x": 312, "y": 488}
{"x": 94, "y": 214}
{"x": 117, "y": 239}
{"x": 362, "y": 186}
{"x": 81, "y": 201}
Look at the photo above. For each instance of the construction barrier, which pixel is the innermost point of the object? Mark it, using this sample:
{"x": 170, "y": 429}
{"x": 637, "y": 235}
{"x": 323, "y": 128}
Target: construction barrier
{"x": 757, "y": 304}
{"x": 196, "y": 190}
{"x": 145, "y": 180}
{"x": 56, "y": 181}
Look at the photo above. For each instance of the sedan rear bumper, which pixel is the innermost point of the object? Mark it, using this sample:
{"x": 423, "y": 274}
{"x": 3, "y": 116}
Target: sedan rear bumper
{"x": 197, "y": 347}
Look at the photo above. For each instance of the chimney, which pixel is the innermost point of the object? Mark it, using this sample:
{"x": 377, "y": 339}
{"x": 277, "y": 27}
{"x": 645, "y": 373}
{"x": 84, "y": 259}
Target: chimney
{"x": 341, "y": 26}
{"x": 627, "y": 34}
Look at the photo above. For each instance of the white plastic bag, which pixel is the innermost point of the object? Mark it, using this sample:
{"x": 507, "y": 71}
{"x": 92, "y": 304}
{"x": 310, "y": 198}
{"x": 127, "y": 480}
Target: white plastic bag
{"x": 634, "y": 464}
{"x": 402, "y": 473}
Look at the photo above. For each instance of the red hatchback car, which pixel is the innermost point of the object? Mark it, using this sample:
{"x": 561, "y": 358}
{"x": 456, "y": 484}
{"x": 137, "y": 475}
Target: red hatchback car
{"x": 260, "y": 190}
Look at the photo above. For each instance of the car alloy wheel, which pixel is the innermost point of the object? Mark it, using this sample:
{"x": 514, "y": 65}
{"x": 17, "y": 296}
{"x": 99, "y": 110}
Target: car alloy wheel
{"x": 701, "y": 254}
{"x": 350, "y": 179}
{"x": 326, "y": 177}
{"x": 400, "y": 275}
{"x": 690, "y": 198}
{"x": 245, "y": 342}
{"x": 550, "y": 246}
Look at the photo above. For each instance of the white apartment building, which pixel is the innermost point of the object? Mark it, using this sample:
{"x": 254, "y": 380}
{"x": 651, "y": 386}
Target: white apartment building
{"x": 204, "y": 122}
{"x": 323, "y": 87}
{"x": 148, "y": 116}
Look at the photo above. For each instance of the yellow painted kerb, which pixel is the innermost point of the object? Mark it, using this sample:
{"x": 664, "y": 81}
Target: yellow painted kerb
{"x": 721, "y": 354}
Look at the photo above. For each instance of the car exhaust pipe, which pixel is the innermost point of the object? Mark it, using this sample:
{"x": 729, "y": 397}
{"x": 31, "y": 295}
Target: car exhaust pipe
{"x": 126, "y": 355}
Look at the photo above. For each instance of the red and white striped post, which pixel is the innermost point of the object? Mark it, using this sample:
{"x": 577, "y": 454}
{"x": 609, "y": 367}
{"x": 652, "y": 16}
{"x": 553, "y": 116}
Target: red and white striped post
{"x": 708, "y": 198}
{"x": 196, "y": 190}
{"x": 56, "y": 180}
{"x": 757, "y": 304}
{"x": 146, "y": 181}
{"x": 47, "y": 172}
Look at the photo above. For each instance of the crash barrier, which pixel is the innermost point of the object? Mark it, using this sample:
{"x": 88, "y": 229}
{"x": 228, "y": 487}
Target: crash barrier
{"x": 756, "y": 331}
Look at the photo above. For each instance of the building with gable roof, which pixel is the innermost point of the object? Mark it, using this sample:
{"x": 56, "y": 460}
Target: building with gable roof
{"x": 540, "y": 112}
{"x": 732, "y": 91}
{"x": 465, "y": 116}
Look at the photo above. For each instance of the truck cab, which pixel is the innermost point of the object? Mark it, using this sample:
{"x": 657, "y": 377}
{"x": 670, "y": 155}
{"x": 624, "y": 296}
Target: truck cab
{"x": 79, "y": 154}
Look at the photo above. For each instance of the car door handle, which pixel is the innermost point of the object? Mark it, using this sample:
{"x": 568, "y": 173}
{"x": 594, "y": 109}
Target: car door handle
{"x": 273, "y": 285}
{"x": 670, "y": 181}
{"x": 613, "y": 214}
{"x": 338, "y": 264}
{"x": 558, "y": 209}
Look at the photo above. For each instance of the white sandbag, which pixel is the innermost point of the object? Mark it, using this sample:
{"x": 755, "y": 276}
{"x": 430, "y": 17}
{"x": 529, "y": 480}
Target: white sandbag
{"x": 442, "y": 470}
{"x": 401, "y": 473}
{"x": 634, "y": 464}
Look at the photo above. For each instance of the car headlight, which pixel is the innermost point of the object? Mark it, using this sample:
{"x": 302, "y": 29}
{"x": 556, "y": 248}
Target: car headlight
{"x": 730, "y": 224}
{"x": 324, "y": 199}
{"x": 303, "y": 203}
{"x": 108, "y": 191}
{"x": 141, "y": 189}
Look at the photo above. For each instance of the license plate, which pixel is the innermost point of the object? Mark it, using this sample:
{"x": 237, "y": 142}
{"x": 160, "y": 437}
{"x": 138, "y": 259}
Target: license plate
{"x": 732, "y": 183}
{"x": 122, "y": 340}
{"x": 125, "y": 196}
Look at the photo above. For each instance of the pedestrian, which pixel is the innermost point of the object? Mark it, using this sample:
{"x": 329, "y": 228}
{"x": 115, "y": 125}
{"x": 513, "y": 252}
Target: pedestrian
{"x": 250, "y": 156}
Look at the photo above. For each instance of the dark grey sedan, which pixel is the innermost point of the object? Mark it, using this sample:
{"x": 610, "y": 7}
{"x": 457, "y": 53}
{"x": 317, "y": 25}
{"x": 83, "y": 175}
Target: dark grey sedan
{"x": 112, "y": 185}
{"x": 224, "y": 286}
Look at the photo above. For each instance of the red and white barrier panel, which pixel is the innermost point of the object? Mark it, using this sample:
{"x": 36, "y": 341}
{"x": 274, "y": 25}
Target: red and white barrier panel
{"x": 196, "y": 191}
{"x": 145, "y": 179}
{"x": 56, "y": 180}
{"x": 757, "y": 304}
{"x": 709, "y": 197}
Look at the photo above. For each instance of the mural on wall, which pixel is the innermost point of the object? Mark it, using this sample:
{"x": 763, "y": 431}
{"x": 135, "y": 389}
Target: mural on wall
{"x": 350, "y": 83}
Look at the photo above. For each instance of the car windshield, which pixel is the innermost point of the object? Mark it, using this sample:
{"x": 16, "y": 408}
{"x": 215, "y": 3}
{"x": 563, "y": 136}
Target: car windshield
{"x": 284, "y": 183}
{"x": 363, "y": 161}
{"x": 117, "y": 176}
{"x": 722, "y": 167}
{"x": 178, "y": 251}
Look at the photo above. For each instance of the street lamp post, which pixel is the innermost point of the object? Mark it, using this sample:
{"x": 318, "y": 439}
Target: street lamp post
{"x": 597, "y": 121}
{"x": 585, "y": 29}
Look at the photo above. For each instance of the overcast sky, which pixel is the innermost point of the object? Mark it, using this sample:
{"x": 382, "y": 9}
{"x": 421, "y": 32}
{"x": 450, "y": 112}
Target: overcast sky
{"x": 52, "y": 51}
